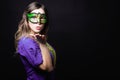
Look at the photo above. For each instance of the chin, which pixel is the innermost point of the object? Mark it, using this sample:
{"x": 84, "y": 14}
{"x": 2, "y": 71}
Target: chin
{"x": 37, "y": 31}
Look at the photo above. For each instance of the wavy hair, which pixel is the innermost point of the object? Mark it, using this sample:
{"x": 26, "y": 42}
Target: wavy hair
{"x": 23, "y": 27}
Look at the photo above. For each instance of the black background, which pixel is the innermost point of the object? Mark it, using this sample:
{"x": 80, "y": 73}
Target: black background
{"x": 83, "y": 33}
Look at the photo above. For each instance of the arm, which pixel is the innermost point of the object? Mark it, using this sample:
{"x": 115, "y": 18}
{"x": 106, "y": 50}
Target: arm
{"x": 37, "y": 57}
{"x": 47, "y": 61}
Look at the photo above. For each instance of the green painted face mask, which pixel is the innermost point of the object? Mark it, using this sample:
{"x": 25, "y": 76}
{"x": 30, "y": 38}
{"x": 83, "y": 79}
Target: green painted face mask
{"x": 37, "y": 18}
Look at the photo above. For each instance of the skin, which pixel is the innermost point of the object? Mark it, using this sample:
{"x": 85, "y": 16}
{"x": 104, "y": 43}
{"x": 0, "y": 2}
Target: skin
{"x": 35, "y": 29}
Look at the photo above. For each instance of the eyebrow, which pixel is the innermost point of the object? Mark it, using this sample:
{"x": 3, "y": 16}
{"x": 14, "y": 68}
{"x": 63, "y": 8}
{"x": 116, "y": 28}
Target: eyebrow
{"x": 37, "y": 13}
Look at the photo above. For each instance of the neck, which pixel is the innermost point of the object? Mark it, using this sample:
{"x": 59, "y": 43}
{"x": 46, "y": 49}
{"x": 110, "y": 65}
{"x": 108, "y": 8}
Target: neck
{"x": 33, "y": 33}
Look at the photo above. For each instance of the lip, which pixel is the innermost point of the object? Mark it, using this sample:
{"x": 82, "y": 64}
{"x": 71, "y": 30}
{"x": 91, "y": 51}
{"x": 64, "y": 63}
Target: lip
{"x": 38, "y": 28}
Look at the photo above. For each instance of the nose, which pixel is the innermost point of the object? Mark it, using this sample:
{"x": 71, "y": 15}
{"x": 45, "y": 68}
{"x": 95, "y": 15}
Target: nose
{"x": 38, "y": 22}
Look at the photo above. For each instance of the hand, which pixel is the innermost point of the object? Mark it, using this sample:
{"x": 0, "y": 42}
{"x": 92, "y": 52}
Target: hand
{"x": 41, "y": 38}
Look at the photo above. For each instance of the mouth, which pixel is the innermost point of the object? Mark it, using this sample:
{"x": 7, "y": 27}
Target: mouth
{"x": 38, "y": 28}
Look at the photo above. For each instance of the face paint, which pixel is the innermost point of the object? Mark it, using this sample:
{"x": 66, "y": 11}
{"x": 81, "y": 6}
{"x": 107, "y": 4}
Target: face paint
{"x": 37, "y": 18}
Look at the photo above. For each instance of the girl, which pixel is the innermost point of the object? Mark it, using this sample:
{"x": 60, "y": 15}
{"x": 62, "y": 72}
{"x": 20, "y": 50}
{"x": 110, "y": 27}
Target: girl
{"x": 36, "y": 54}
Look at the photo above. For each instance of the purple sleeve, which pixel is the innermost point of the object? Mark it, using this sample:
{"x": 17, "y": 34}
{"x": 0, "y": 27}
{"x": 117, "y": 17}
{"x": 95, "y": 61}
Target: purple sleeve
{"x": 31, "y": 51}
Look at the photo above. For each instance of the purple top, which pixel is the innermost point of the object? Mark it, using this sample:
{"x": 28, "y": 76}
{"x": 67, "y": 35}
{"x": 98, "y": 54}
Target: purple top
{"x": 31, "y": 57}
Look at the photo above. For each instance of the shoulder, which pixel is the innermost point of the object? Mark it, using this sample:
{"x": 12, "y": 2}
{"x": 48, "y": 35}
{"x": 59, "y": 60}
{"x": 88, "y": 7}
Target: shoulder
{"x": 26, "y": 40}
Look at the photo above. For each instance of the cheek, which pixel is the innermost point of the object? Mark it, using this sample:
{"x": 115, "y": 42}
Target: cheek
{"x": 30, "y": 25}
{"x": 42, "y": 26}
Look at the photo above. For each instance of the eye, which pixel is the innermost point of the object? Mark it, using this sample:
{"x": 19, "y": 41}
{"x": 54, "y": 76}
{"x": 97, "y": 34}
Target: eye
{"x": 43, "y": 21}
{"x": 43, "y": 16}
{"x": 31, "y": 15}
{"x": 33, "y": 19}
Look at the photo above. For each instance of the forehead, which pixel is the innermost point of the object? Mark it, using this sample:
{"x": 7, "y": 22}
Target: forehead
{"x": 40, "y": 10}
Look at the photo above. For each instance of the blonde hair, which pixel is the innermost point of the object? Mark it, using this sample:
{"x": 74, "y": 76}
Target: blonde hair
{"x": 23, "y": 27}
